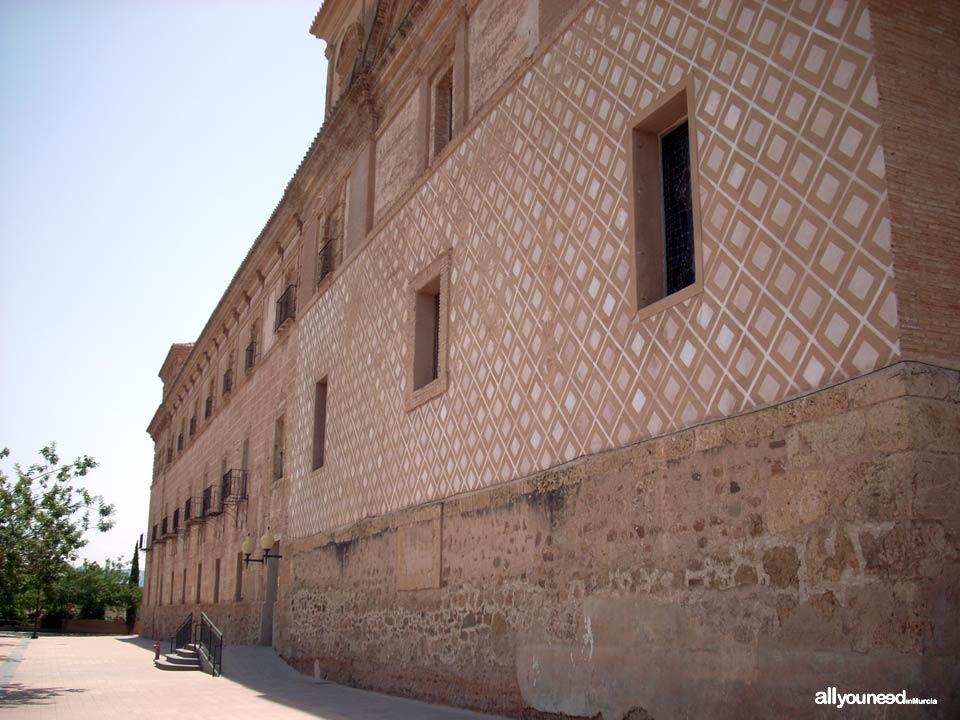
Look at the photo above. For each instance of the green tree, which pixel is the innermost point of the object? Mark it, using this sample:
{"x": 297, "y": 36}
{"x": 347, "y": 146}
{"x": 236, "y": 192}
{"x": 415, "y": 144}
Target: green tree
{"x": 44, "y": 515}
{"x": 134, "y": 582}
{"x": 87, "y": 591}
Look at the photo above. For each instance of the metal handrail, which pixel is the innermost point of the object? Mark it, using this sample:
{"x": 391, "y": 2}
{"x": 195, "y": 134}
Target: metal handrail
{"x": 211, "y": 643}
{"x": 184, "y": 634}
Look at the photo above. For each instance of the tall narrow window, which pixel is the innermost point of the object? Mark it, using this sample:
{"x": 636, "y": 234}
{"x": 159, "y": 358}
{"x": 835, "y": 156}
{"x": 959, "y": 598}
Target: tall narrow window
{"x": 428, "y": 332}
{"x": 216, "y": 581}
{"x": 677, "y": 208}
{"x": 208, "y": 405}
{"x": 183, "y": 587}
{"x": 250, "y": 355}
{"x": 278, "y": 449}
{"x": 427, "y": 335}
{"x": 664, "y": 184}
{"x": 199, "y": 580}
{"x": 171, "y": 587}
{"x": 319, "y": 423}
{"x": 442, "y": 110}
{"x": 238, "y": 584}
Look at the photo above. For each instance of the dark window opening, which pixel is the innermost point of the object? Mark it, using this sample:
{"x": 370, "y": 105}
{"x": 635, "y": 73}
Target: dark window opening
{"x": 278, "y": 449}
{"x": 426, "y": 359}
{"x": 228, "y": 381}
{"x": 319, "y": 423}
{"x": 679, "y": 266}
{"x": 443, "y": 111}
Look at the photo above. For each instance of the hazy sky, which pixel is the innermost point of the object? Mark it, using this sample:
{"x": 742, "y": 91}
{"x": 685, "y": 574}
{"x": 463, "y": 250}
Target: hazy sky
{"x": 143, "y": 145}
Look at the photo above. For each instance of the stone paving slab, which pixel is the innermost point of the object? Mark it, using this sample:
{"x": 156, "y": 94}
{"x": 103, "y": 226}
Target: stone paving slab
{"x": 96, "y": 678}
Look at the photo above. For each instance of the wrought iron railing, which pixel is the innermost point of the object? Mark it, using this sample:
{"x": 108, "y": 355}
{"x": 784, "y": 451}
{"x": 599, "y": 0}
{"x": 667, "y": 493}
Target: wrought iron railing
{"x": 286, "y": 306}
{"x": 193, "y": 510}
{"x": 325, "y": 259}
{"x": 212, "y": 503}
{"x": 211, "y": 643}
{"x": 233, "y": 486}
{"x": 184, "y": 634}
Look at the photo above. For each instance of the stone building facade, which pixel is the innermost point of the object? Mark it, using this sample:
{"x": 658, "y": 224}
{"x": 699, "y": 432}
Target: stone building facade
{"x": 551, "y": 422}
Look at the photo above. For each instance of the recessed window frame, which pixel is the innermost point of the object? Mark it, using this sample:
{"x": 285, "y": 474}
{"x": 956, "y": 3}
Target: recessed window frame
{"x": 320, "y": 423}
{"x": 645, "y": 199}
{"x": 433, "y": 278}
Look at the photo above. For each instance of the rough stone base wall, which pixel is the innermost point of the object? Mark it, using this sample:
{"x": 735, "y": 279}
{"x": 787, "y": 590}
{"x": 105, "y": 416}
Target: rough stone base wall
{"x": 732, "y": 570}
{"x": 240, "y": 622}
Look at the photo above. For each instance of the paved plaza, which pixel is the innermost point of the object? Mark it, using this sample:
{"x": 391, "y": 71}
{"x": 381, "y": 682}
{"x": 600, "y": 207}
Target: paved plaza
{"x": 102, "y": 677}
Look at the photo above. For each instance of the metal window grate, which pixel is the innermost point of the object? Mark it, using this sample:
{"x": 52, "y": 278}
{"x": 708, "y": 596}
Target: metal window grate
{"x": 286, "y": 306}
{"x": 679, "y": 267}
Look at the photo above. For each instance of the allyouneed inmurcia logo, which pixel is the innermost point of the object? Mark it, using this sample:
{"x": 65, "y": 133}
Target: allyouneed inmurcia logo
{"x": 831, "y": 696}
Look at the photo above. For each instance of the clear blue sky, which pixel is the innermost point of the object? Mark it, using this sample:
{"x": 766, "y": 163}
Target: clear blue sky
{"x": 143, "y": 145}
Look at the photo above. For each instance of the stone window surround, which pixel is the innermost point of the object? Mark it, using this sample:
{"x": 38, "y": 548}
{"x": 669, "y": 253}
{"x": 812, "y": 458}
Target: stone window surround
{"x": 438, "y": 270}
{"x": 645, "y": 220}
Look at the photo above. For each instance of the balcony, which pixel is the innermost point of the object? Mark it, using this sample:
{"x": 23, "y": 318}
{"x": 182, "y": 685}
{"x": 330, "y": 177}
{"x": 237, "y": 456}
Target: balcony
{"x": 212, "y": 502}
{"x": 233, "y": 487}
{"x": 325, "y": 260}
{"x": 286, "y": 307}
{"x": 192, "y": 511}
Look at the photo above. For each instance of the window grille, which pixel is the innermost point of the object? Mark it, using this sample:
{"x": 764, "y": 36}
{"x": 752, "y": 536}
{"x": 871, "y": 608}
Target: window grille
{"x": 677, "y": 209}
{"x": 286, "y": 306}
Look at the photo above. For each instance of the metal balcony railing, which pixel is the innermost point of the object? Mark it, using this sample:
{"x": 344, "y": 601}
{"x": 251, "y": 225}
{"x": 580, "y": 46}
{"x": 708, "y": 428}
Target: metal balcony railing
{"x": 325, "y": 259}
{"x": 212, "y": 503}
{"x": 193, "y": 510}
{"x": 233, "y": 486}
{"x": 286, "y": 306}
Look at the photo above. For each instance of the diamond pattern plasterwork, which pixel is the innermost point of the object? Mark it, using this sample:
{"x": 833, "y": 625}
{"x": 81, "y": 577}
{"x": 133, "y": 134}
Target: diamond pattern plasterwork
{"x": 547, "y": 359}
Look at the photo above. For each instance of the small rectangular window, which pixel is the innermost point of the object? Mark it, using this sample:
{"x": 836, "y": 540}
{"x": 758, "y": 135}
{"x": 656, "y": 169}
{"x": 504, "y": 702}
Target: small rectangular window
{"x": 319, "y": 423}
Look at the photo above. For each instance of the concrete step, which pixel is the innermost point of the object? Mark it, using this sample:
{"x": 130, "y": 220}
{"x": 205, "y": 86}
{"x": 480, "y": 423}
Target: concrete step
{"x": 184, "y": 653}
{"x": 167, "y": 665}
{"x": 178, "y": 660}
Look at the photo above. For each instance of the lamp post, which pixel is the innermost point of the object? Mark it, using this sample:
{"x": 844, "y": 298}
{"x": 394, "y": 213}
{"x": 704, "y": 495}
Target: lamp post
{"x": 266, "y": 545}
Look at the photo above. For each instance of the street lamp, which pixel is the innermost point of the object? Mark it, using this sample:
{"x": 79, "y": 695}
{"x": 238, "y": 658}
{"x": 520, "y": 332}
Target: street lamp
{"x": 266, "y": 544}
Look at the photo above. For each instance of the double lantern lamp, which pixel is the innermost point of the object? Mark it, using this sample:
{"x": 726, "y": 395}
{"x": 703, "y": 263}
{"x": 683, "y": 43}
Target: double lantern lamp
{"x": 266, "y": 544}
